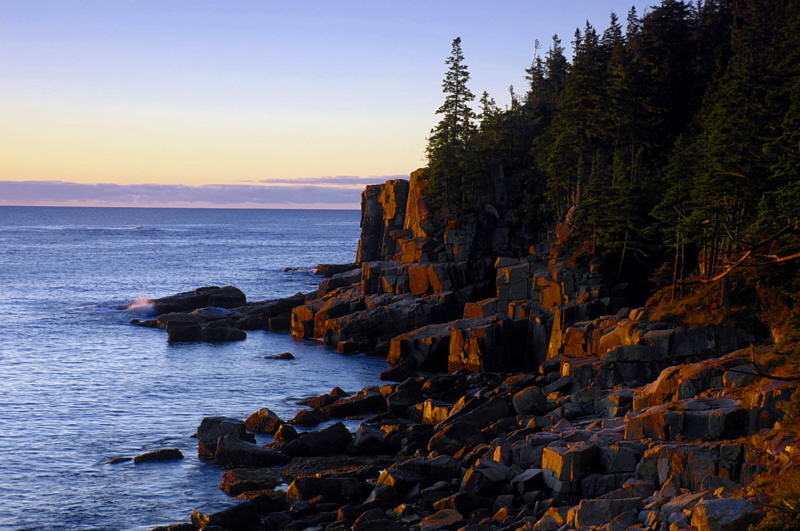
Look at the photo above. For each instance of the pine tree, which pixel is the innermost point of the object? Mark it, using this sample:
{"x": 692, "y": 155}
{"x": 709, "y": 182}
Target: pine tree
{"x": 677, "y": 136}
{"x": 545, "y": 81}
{"x": 577, "y": 124}
{"x": 489, "y": 111}
{"x": 449, "y": 140}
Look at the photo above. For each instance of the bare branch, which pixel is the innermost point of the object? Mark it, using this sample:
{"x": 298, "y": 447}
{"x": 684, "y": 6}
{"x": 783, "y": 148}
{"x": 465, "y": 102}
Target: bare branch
{"x": 778, "y": 259}
{"x": 729, "y": 269}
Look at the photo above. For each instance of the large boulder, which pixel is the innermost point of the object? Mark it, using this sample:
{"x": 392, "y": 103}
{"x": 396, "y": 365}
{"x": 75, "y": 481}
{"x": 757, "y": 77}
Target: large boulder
{"x": 687, "y": 380}
{"x": 212, "y": 429}
{"x": 530, "y": 401}
{"x": 219, "y": 331}
{"x": 442, "y": 519}
{"x": 243, "y": 516}
{"x": 225, "y": 297}
{"x": 263, "y": 421}
{"x": 693, "y": 419}
{"x": 340, "y": 280}
{"x": 459, "y": 238}
{"x": 595, "y": 512}
{"x": 387, "y": 316}
{"x": 427, "y": 348}
{"x": 484, "y": 476}
{"x": 367, "y": 401}
{"x": 688, "y": 465}
{"x": 478, "y": 413}
{"x": 727, "y": 514}
{"x": 308, "y": 418}
{"x": 566, "y": 465}
{"x": 488, "y": 345}
{"x": 239, "y": 480}
{"x": 334, "y": 439}
{"x": 329, "y": 489}
{"x": 166, "y": 454}
{"x": 235, "y": 452}
{"x": 182, "y": 332}
{"x": 451, "y": 438}
{"x": 514, "y": 281}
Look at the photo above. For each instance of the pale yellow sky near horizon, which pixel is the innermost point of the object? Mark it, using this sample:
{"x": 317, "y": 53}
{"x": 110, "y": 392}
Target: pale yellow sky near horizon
{"x": 198, "y": 146}
{"x": 192, "y": 93}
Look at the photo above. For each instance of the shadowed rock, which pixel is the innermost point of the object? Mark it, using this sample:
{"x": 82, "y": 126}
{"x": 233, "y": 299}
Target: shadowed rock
{"x": 166, "y": 454}
{"x": 235, "y": 452}
{"x": 212, "y": 429}
{"x": 334, "y": 439}
{"x": 239, "y": 480}
{"x": 263, "y": 421}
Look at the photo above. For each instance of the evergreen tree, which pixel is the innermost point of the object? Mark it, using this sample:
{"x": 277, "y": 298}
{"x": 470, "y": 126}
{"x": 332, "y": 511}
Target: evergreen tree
{"x": 545, "y": 82}
{"x": 677, "y": 136}
{"x": 576, "y": 126}
{"x": 634, "y": 24}
{"x": 448, "y": 143}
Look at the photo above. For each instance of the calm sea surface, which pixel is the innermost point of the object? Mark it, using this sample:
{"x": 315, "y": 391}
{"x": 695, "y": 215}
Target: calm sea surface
{"x": 79, "y": 385}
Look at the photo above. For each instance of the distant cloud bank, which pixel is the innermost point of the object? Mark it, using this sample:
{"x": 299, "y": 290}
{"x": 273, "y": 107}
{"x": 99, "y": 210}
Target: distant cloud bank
{"x": 342, "y": 180}
{"x": 317, "y": 192}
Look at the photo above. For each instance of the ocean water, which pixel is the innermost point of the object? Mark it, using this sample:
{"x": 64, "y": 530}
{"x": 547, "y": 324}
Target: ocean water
{"x": 79, "y": 385}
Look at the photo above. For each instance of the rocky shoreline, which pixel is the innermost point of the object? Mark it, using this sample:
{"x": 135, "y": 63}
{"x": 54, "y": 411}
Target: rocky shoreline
{"x": 530, "y": 392}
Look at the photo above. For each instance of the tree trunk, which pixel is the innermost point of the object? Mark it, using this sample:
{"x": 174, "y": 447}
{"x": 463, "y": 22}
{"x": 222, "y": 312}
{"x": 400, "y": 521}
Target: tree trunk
{"x": 725, "y": 300}
{"x": 675, "y": 266}
{"x": 622, "y": 257}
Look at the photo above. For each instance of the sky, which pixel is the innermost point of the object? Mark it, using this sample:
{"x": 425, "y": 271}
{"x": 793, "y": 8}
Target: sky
{"x": 239, "y": 103}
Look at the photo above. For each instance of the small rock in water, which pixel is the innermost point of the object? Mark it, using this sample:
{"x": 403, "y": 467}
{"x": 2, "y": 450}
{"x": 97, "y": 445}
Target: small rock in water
{"x": 118, "y": 460}
{"x": 281, "y": 356}
{"x": 263, "y": 421}
{"x": 166, "y": 454}
{"x": 239, "y": 480}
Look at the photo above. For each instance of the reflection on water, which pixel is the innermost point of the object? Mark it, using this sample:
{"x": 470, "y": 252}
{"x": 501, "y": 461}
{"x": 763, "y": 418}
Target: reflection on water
{"x": 81, "y": 386}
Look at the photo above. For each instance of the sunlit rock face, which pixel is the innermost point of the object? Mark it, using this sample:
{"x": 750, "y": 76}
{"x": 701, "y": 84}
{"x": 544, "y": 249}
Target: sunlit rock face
{"x": 383, "y": 212}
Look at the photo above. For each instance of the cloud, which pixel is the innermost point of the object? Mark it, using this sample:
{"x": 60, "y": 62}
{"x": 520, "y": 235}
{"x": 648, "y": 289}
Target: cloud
{"x": 320, "y": 192}
{"x": 342, "y": 180}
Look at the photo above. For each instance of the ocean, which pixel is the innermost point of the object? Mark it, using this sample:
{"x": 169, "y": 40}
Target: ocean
{"x": 79, "y": 385}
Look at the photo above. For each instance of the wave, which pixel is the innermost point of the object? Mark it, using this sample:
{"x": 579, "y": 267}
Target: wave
{"x": 142, "y": 306}
{"x": 312, "y": 269}
{"x": 97, "y": 308}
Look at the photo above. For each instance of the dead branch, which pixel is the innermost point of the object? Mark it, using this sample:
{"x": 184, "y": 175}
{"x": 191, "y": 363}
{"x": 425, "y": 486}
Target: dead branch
{"x": 778, "y": 259}
{"x": 729, "y": 269}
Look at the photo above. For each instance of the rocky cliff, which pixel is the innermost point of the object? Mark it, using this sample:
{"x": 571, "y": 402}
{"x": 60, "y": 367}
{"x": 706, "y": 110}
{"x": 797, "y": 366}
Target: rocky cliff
{"x": 533, "y": 394}
{"x": 439, "y": 294}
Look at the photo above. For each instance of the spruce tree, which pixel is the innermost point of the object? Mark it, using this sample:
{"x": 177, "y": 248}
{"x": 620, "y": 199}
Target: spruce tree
{"x": 577, "y": 124}
{"x": 448, "y": 144}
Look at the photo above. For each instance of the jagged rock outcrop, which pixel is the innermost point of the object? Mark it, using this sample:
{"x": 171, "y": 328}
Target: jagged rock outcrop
{"x": 383, "y": 212}
{"x": 528, "y": 450}
{"x": 213, "y": 296}
{"x": 531, "y": 394}
{"x": 189, "y": 316}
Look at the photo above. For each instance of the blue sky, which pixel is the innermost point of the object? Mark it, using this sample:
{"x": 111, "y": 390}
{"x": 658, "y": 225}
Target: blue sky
{"x": 234, "y": 93}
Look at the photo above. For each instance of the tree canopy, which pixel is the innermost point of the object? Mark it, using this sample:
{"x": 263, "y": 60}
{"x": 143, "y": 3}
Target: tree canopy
{"x": 677, "y": 137}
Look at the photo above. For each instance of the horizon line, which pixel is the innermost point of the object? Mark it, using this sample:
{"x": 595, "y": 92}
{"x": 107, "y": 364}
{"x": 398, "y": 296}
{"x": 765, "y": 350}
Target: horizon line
{"x": 356, "y": 208}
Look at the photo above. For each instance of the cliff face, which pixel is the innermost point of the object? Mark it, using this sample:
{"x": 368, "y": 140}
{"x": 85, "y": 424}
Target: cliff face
{"x": 419, "y": 269}
{"x": 650, "y": 423}
{"x": 397, "y": 223}
{"x": 563, "y": 407}
{"x": 383, "y": 211}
